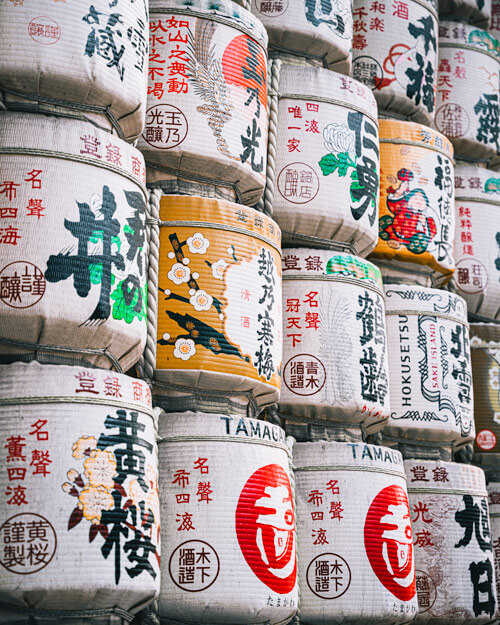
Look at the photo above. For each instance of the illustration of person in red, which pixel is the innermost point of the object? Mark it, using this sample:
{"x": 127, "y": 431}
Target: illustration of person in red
{"x": 410, "y": 225}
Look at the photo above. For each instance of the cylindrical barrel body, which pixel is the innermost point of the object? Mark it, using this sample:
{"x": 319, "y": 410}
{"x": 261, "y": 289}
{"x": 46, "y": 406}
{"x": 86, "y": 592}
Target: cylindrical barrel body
{"x": 494, "y": 506}
{"x": 354, "y": 534}
{"x": 453, "y": 557}
{"x": 79, "y": 59}
{"x": 73, "y": 261}
{"x": 468, "y": 117}
{"x": 417, "y": 217}
{"x": 430, "y": 375}
{"x": 206, "y": 118}
{"x": 228, "y": 521}
{"x": 219, "y": 310}
{"x": 477, "y": 240}
{"x": 477, "y": 12}
{"x": 79, "y": 520}
{"x": 327, "y": 160}
{"x": 335, "y": 352}
{"x": 395, "y": 54}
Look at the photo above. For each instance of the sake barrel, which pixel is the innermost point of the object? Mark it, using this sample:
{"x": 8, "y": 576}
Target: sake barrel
{"x": 477, "y": 12}
{"x": 395, "y": 54}
{"x": 79, "y": 487}
{"x": 313, "y": 29}
{"x": 417, "y": 217}
{"x": 494, "y": 506}
{"x": 334, "y": 340}
{"x": 79, "y": 59}
{"x": 73, "y": 262}
{"x": 354, "y": 535}
{"x": 477, "y": 239}
{"x": 219, "y": 310}
{"x": 206, "y": 118}
{"x": 228, "y": 521}
{"x": 494, "y": 26}
{"x": 430, "y": 377}
{"x": 326, "y": 148}
{"x": 453, "y": 557}
{"x": 468, "y": 117}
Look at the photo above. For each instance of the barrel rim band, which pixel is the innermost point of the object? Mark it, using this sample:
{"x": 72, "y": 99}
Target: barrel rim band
{"x": 78, "y": 158}
{"x": 167, "y": 621}
{"x": 215, "y": 226}
{"x": 417, "y": 144}
{"x": 467, "y": 46}
{"x": 328, "y": 244}
{"x": 425, "y": 313}
{"x": 477, "y": 200}
{"x": 352, "y": 467}
{"x": 333, "y": 101}
{"x": 337, "y": 278}
{"x": 215, "y": 17}
{"x": 222, "y": 439}
{"x": 447, "y": 491}
{"x": 490, "y": 345}
{"x": 38, "y": 347}
{"x": 96, "y": 612}
{"x": 61, "y": 399}
{"x": 302, "y": 55}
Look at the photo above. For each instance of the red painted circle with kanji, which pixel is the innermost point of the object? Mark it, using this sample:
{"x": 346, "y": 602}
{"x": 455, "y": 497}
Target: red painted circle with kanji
{"x": 486, "y": 440}
{"x": 265, "y": 526}
{"x": 389, "y": 542}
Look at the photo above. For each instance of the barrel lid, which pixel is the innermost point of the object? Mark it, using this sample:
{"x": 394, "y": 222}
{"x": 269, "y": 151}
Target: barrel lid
{"x": 434, "y": 476}
{"x": 418, "y": 300}
{"x": 30, "y": 134}
{"x": 222, "y": 11}
{"x": 332, "y": 456}
{"x": 410, "y": 133}
{"x": 454, "y": 34}
{"x": 338, "y": 266}
{"x": 477, "y": 183}
{"x": 34, "y": 383}
{"x": 485, "y": 334}
{"x": 192, "y": 211}
{"x": 323, "y": 85}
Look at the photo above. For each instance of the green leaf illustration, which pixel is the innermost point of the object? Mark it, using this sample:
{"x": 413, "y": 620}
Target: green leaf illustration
{"x": 328, "y": 164}
{"x": 95, "y": 273}
{"x": 340, "y": 162}
{"x": 127, "y": 312}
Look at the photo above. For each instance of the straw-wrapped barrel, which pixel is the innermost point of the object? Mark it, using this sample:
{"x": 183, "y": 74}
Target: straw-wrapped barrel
{"x": 477, "y": 12}
{"x": 494, "y": 505}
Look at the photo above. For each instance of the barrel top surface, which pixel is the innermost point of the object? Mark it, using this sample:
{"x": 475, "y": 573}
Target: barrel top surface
{"x": 55, "y": 137}
{"x": 316, "y": 82}
{"x": 310, "y": 263}
{"x": 401, "y": 298}
{"x": 33, "y": 383}
{"x": 224, "y": 11}
{"x": 190, "y": 212}
{"x": 413, "y": 133}
{"x": 484, "y": 333}
{"x": 454, "y": 33}
{"x": 437, "y": 475}
{"x": 478, "y": 183}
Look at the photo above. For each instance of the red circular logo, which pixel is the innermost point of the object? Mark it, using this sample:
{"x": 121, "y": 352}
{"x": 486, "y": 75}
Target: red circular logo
{"x": 486, "y": 440}
{"x": 265, "y": 526}
{"x": 389, "y": 542}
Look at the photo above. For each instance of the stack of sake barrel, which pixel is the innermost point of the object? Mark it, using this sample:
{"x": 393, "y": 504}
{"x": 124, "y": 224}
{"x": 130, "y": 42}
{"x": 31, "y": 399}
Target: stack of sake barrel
{"x": 79, "y": 516}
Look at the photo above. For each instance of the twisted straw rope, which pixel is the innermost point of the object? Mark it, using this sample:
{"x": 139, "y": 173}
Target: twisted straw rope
{"x": 149, "y": 361}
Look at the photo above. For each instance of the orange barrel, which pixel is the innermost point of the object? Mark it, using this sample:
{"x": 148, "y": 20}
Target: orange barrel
{"x": 430, "y": 377}
{"x": 206, "y": 119}
{"x": 494, "y": 501}
{"x": 354, "y": 535}
{"x": 335, "y": 352}
{"x": 477, "y": 239}
{"x": 230, "y": 546}
{"x": 468, "y": 117}
{"x": 453, "y": 558}
{"x": 326, "y": 146}
{"x": 79, "y": 519}
{"x": 77, "y": 59}
{"x": 73, "y": 263}
{"x": 219, "y": 309}
{"x": 477, "y": 12}
{"x": 395, "y": 54}
{"x": 417, "y": 218}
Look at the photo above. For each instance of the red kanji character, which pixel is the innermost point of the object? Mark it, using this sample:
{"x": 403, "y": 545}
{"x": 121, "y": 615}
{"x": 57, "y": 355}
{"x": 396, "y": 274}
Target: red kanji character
{"x": 204, "y": 491}
{"x": 311, "y": 299}
{"x": 8, "y": 212}
{"x": 296, "y": 111}
{"x": 296, "y": 338}
{"x": 186, "y": 522}
{"x": 377, "y": 24}
{"x": 154, "y": 27}
{"x": 17, "y": 495}
{"x": 174, "y": 86}
{"x": 9, "y": 188}
{"x": 332, "y": 485}
{"x": 312, "y": 107}
{"x": 423, "y": 539}
{"x": 178, "y": 69}
{"x": 16, "y": 473}
{"x": 40, "y": 460}
{"x": 182, "y": 498}
{"x": 112, "y": 386}
{"x": 87, "y": 383}
{"x": 201, "y": 464}
{"x": 40, "y": 436}
{"x": 421, "y": 508}
{"x": 181, "y": 477}
{"x": 312, "y": 320}
{"x": 293, "y": 145}
{"x": 377, "y": 6}
{"x": 34, "y": 178}
{"x": 178, "y": 37}
{"x": 317, "y": 515}
{"x": 136, "y": 166}
{"x": 90, "y": 146}
{"x": 312, "y": 126}
{"x": 360, "y": 13}
{"x": 315, "y": 497}
{"x": 177, "y": 53}
{"x": 113, "y": 154}
{"x": 157, "y": 90}
{"x": 293, "y": 322}
{"x": 419, "y": 474}
{"x": 10, "y": 235}
{"x": 320, "y": 535}
{"x": 440, "y": 474}
{"x": 35, "y": 208}
{"x": 335, "y": 510}
{"x": 156, "y": 70}
{"x": 359, "y": 42}
{"x": 292, "y": 305}
{"x": 137, "y": 390}
{"x": 14, "y": 448}
{"x": 400, "y": 10}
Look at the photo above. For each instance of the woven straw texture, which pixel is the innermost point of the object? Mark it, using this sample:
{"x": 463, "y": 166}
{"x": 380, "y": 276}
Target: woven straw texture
{"x": 335, "y": 353}
{"x": 73, "y": 268}
{"x": 228, "y": 521}
{"x": 477, "y": 240}
{"x": 79, "y": 490}
{"x": 309, "y": 28}
{"x": 417, "y": 218}
{"x": 430, "y": 376}
{"x": 468, "y": 116}
{"x": 453, "y": 556}
{"x": 207, "y": 105}
{"x": 327, "y": 159}
{"x": 477, "y": 12}
{"x": 82, "y": 58}
{"x": 354, "y": 534}
{"x": 395, "y": 54}
{"x": 219, "y": 313}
